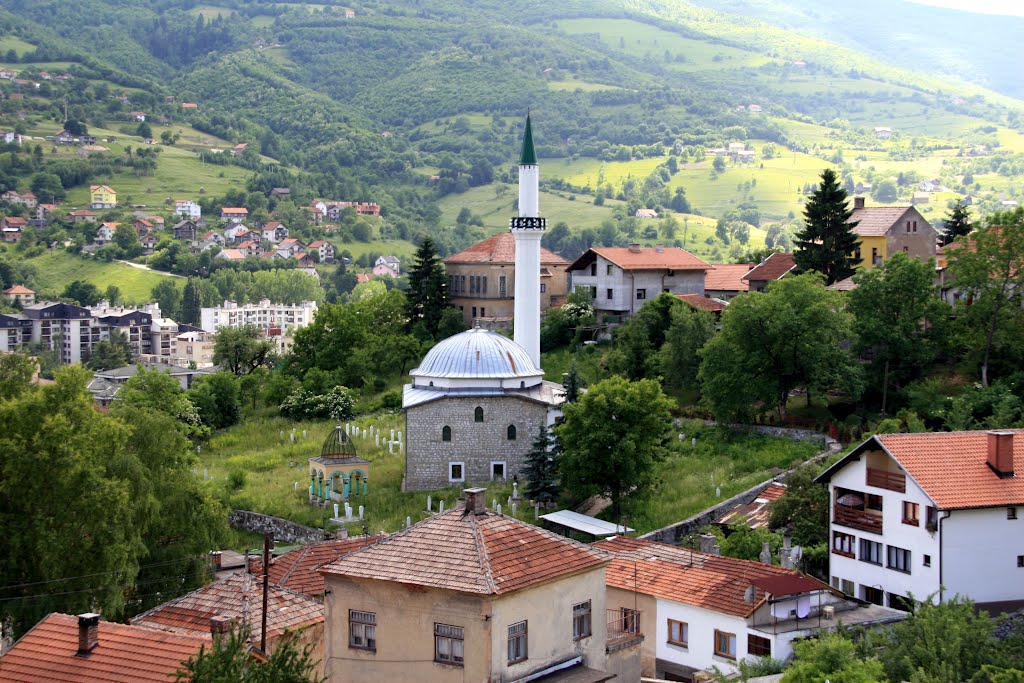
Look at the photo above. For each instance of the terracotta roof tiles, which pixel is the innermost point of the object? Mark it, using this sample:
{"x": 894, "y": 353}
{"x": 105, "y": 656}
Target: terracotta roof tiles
{"x": 298, "y": 569}
{"x": 772, "y": 268}
{"x": 756, "y": 512}
{"x": 500, "y": 248}
{"x": 649, "y": 258}
{"x": 727, "y": 277}
{"x": 701, "y": 302}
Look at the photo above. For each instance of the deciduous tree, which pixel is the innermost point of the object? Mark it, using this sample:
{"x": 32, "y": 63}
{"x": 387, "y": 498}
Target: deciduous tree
{"x": 827, "y": 242}
{"x": 241, "y": 350}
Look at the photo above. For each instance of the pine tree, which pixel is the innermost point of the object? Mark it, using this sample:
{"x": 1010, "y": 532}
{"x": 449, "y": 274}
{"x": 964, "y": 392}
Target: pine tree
{"x": 191, "y": 308}
{"x": 958, "y": 223}
{"x": 827, "y": 243}
{"x": 428, "y": 290}
{"x": 571, "y": 384}
{"x": 541, "y": 469}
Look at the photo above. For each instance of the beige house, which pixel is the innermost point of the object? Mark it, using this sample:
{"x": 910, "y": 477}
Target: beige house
{"x": 472, "y": 595}
{"x": 482, "y": 280}
{"x": 885, "y": 230}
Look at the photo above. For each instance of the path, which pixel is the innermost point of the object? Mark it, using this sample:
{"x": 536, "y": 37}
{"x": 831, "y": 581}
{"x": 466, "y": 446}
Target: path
{"x": 141, "y": 266}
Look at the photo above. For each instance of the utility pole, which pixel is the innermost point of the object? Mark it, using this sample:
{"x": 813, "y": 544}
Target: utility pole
{"x": 268, "y": 545}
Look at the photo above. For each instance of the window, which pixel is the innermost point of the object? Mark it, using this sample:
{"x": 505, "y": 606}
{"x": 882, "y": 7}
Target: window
{"x": 870, "y": 551}
{"x": 725, "y": 644}
{"x": 484, "y": 288}
{"x": 478, "y": 414}
{"x": 456, "y": 471}
{"x": 593, "y": 292}
{"x": 931, "y": 518}
{"x": 899, "y": 559}
{"x": 448, "y": 644}
{"x": 1020, "y": 560}
{"x": 609, "y": 269}
{"x": 497, "y": 470}
{"x": 543, "y": 287}
{"x": 446, "y": 433}
{"x": 835, "y": 582}
{"x": 874, "y": 502}
{"x": 758, "y": 646}
{"x": 510, "y": 433}
{"x": 474, "y": 311}
{"x": 847, "y": 586}
{"x": 873, "y": 595}
{"x": 362, "y": 630}
{"x": 927, "y": 560}
{"x": 906, "y": 250}
{"x": 502, "y": 289}
{"x": 678, "y": 632}
{"x": 1011, "y": 513}
{"x": 911, "y": 514}
{"x": 843, "y": 544}
{"x": 630, "y": 620}
{"x": 517, "y": 642}
{"x": 609, "y": 294}
{"x": 593, "y": 269}
{"x": 641, "y": 294}
{"x": 483, "y": 312}
{"x": 581, "y": 620}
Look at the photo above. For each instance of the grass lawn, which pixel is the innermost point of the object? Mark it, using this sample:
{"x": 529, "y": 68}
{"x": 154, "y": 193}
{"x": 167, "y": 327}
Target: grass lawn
{"x": 212, "y": 12}
{"x": 56, "y": 269}
{"x": 495, "y": 211}
{"x": 8, "y": 43}
{"x": 403, "y": 249}
{"x": 572, "y": 85}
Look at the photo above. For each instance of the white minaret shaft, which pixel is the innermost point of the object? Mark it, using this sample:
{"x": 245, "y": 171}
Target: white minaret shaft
{"x": 528, "y": 229}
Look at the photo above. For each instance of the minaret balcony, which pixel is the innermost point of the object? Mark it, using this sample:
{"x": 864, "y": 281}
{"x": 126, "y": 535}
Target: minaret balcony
{"x": 527, "y": 223}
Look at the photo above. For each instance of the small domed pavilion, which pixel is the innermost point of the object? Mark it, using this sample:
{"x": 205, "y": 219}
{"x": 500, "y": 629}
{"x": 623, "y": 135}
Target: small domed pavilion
{"x": 338, "y": 474}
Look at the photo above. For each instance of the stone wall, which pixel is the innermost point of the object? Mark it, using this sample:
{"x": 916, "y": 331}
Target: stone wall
{"x": 475, "y": 444}
{"x": 283, "y": 530}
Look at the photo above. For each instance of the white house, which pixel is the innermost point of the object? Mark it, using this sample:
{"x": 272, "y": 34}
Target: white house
{"x": 105, "y": 233}
{"x": 274, "y": 231}
{"x": 389, "y": 266}
{"x": 235, "y": 231}
{"x": 929, "y": 515}
{"x": 698, "y": 610}
{"x": 188, "y": 209}
{"x": 622, "y": 279}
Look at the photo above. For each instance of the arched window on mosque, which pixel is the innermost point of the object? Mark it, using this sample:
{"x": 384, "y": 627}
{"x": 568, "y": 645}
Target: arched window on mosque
{"x": 446, "y": 433}
{"x": 511, "y": 432}
{"x": 478, "y": 414}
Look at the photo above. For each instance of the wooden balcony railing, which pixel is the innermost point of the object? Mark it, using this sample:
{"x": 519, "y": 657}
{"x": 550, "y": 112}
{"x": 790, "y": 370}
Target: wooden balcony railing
{"x": 893, "y": 481}
{"x": 857, "y": 519}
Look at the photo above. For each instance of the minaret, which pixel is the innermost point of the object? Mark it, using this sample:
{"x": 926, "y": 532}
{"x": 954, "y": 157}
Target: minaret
{"x": 528, "y": 228}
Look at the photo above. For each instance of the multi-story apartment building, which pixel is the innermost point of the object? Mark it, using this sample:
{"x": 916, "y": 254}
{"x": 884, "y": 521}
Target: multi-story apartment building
{"x": 622, "y": 279}
{"x": 264, "y": 315}
{"x": 930, "y": 516}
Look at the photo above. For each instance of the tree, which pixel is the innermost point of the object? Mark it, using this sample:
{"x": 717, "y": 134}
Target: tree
{"x": 242, "y": 350}
{"x": 746, "y": 543}
{"x": 16, "y": 372}
{"x": 428, "y": 290}
{"x": 217, "y": 397}
{"x": 885, "y": 191}
{"x": 110, "y": 353}
{"x": 81, "y": 292}
{"x": 613, "y": 437}
{"x": 827, "y": 242}
{"x": 679, "y": 357}
{"x": 113, "y": 295}
{"x": 229, "y": 661}
{"x": 191, "y": 305}
{"x": 831, "y": 657}
{"x": 157, "y": 391}
{"x": 541, "y": 468}
{"x": 126, "y": 238}
{"x": 168, "y": 296}
{"x": 958, "y": 223}
{"x": 892, "y": 307}
{"x": 989, "y": 271}
{"x": 718, "y": 164}
{"x": 771, "y": 343}
{"x": 803, "y": 509}
{"x": 47, "y": 187}
{"x": 144, "y": 131}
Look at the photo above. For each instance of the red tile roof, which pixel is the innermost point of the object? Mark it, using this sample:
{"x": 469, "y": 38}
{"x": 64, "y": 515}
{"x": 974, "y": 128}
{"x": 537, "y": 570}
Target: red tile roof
{"x": 363, "y": 277}
{"x": 16, "y": 220}
{"x": 755, "y": 513}
{"x": 703, "y": 580}
{"x": 125, "y": 654}
{"x": 727, "y": 277}
{"x": 500, "y": 248}
{"x": 234, "y": 209}
{"x": 701, "y": 302}
{"x": 772, "y": 268}
{"x": 644, "y": 258}
{"x": 299, "y": 569}
{"x": 81, "y": 212}
{"x": 486, "y": 553}
{"x": 18, "y": 289}
{"x": 239, "y": 596}
{"x": 952, "y": 467}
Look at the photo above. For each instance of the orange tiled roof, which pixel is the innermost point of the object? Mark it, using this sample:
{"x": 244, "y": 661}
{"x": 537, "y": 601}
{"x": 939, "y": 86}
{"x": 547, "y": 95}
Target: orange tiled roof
{"x": 772, "y": 268}
{"x": 94, "y": 188}
{"x": 702, "y": 302}
{"x": 81, "y": 212}
{"x": 756, "y": 512}
{"x": 727, "y": 277}
{"x": 486, "y": 553}
{"x": 18, "y": 289}
{"x": 234, "y": 209}
{"x": 649, "y": 258}
{"x": 239, "y": 596}
{"x": 703, "y": 580}
{"x": 299, "y": 569}
{"x": 125, "y": 654}
{"x": 953, "y": 470}
{"x": 500, "y": 248}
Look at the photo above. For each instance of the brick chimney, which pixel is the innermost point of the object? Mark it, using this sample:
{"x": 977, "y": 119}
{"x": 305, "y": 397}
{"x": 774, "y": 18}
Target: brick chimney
{"x": 220, "y": 626}
{"x": 475, "y": 502}
{"x": 1000, "y": 453}
{"x": 858, "y": 202}
{"x": 635, "y": 247}
{"x": 88, "y": 633}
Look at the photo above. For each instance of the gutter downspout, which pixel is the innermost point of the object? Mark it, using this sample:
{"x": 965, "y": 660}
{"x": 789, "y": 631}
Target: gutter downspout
{"x": 946, "y": 514}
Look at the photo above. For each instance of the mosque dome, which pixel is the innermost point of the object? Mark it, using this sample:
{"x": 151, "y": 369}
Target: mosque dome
{"x": 477, "y": 358}
{"x": 338, "y": 445}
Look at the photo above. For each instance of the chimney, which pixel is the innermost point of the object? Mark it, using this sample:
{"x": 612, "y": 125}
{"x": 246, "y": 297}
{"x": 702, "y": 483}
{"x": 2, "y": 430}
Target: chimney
{"x": 475, "y": 503}
{"x": 858, "y": 202}
{"x": 635, "y": 247}
{"x": 88, "y": 633}
{"x": 709, "y": 544}
{"x": 659, "y": 248}
{"x": 220, "y": 626}
{"x": 1000, "y": 453}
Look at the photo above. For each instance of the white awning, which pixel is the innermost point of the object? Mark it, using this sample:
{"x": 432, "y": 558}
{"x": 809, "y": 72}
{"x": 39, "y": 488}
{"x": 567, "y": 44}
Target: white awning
{"x": 588, "y": 525}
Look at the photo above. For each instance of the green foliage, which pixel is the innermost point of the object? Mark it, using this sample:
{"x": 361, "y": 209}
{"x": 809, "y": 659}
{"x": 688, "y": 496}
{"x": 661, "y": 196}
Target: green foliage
{"x": 229, "y": 661}
{"x": 242, "y": 350}
{"x": 16, "y": 372}
{"x": 831, "y": 657}
{"x": 191, "y": 303}
{"x": 110, "y": 353}
{"x": 804, "y": 509}
{"x": 957, "y": 224}
{"x": 541, "y": 467}
{"x": 745, "y": 543}
{"x": 217, "y": 398}
{"x": 428, "y": 291}
{"x": 167, "y": 294}
{"x": 679, "y": 357}
{"x": 337, "y": 404}
{"x": 613, "y": 437}
{"x": 158, "y": 391}
{"x": 82, "y": 293}
{"x": 827, "y": 242}
{"x": 773, "y": 342}
{"x": 561, "y": 326}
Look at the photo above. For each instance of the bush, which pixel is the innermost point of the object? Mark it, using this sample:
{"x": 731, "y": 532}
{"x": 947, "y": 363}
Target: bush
{"x": 336, "y": 404}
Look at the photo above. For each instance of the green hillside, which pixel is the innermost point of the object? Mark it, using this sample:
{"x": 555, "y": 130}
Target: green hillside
{"x": 55, "y": 270}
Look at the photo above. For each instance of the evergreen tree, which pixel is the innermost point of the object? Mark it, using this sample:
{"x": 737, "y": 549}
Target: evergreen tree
{"x": 541, "y": 469}
{"x": 191, "y": 306}
{"x": 428, "y": 291}
{"x": 958, "y": 223}
{"x": 827, "y": 243}
{"x": 571, "y": 384}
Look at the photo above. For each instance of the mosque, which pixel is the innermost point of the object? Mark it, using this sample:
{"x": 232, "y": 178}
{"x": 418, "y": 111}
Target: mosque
{"x": 478, "y": 399}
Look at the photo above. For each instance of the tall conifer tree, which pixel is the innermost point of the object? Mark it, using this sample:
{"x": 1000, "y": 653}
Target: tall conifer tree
{"x": 191, "y": 307}
{"x": 541, "y": 468}
{"x": 428, "y": 290}
{"x": 827, "y": 243}
{"x": 958, "y": 223}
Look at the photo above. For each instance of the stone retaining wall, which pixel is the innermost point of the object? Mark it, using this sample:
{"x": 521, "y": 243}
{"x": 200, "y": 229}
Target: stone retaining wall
{"x": 283, "y": 530}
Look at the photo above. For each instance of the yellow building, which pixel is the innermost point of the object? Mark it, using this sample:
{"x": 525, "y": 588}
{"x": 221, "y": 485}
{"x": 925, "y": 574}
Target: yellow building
{"x": 472, "y": 595}
{"x": 885, "y": 230}
{"x": 102, "y": 197}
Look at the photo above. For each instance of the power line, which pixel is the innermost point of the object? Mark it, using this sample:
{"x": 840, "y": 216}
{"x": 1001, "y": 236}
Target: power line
{"x": 97, "y": 589}
{"x": 87, "y": 576}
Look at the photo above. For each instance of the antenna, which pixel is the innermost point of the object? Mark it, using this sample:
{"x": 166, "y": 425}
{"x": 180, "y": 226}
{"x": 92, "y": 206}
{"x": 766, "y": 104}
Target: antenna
{"x": 748, "y": 595}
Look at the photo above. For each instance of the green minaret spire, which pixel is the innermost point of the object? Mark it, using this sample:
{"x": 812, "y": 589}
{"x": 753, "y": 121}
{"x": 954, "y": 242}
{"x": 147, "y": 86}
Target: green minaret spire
{"x": 528, "y": 157}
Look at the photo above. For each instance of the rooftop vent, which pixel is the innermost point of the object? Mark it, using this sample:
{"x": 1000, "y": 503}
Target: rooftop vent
{"x": 88, "y": 633}
{"x": 1000, "y": 453}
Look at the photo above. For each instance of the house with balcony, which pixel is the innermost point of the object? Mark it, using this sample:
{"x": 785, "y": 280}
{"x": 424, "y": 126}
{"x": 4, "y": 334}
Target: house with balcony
{"x": 472, "y": 595}
{"x": 929, "y": 516}
{"x": 102, "y": 197}
{"x": 698, "y": 610}
{"x": 622, "y": 279}
{"x": 885, "y": 230}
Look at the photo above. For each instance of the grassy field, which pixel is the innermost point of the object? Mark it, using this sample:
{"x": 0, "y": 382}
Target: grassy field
{"x": 212, "y": 12}
{"x": 495, "y": 211}
{"x": 19, "y": 46}
{"x": 572, "y": 85}
{"x": 56, "y": 269}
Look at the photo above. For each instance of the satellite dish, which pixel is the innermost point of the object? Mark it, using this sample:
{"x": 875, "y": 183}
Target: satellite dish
{"x": 748, "y": 595}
